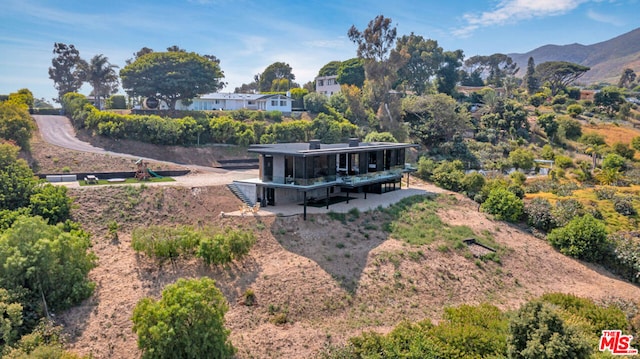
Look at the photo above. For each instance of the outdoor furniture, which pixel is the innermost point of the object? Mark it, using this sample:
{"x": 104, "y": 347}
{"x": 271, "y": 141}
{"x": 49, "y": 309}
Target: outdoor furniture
{"x": 91, "y": 179}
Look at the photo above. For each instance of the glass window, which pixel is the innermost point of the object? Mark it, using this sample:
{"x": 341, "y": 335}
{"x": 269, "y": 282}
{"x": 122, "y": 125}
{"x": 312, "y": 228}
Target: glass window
{"x": 274, "y": 103}
{"x": 283, "y": 103}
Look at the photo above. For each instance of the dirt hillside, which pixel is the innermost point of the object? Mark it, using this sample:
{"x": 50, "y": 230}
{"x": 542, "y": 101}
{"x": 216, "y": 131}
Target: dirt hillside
{"x": 316, "y": 281}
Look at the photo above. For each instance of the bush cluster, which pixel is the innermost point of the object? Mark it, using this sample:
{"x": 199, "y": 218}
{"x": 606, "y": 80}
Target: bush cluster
{"x": 170, "y": 243}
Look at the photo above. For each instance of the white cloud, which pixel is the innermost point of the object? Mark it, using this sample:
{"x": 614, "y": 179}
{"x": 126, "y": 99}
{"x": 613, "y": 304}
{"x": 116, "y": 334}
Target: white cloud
{"x": 607, "y": 19}
{"x": 511, "y": 11}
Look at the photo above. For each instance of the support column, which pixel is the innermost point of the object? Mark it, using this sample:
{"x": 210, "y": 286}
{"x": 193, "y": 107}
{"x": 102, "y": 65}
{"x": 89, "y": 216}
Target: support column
{"x": 304, "y": 202}
{"x": 327, "y": 197}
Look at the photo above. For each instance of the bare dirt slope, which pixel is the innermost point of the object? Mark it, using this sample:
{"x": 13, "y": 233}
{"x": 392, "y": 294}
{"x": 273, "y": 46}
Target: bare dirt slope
{"x": 316, "y": 281}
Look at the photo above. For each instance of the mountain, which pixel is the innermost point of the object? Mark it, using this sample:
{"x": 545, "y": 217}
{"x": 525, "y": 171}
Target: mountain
{"x": 607, "y": 59}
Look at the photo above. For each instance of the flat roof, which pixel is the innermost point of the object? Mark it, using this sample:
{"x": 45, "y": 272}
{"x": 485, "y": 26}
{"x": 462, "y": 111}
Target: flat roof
{"x": 301, "y": 149}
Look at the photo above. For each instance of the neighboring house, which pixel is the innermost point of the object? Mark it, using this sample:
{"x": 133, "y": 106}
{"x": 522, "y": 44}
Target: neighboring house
{"x": 303, "y": 172}
{"x": 327, "y": 85}
{"x": 237, "y": 101}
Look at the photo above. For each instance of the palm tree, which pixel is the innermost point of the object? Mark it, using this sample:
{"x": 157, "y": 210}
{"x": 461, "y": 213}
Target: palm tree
{"x": 102, "y": 77}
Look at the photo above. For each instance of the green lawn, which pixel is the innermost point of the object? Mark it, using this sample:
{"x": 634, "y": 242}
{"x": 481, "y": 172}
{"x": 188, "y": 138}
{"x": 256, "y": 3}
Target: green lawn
{"x": 127, "y": 181}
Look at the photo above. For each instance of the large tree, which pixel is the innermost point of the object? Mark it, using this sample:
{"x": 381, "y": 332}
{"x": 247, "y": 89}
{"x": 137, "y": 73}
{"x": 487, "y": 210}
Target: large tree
{"x": 171, "y": 76}
{"x": 559, "y": 74}
{"x": 434, "y": 119}
{"x": 495, "y": 67}
{"x": 187, "y": 322}
{"x": 376, "y": 41}
{"x": 423, "y": 59}
{"x": 102, "y": 77}
{"x": 276, "y": 77}
{"x": 447, "y": 76}
{"x": 66, "y": 69}
{"x": 627, "y": 78}
{"x": 351, "y": 72}
{"x": 610, "y": 98}
{"x": 381, "y": 64}
{"x": 330, "y": 69}
{"x": 531, "y": 80}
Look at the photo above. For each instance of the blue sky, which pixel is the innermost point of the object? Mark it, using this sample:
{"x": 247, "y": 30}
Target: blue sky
{"x": 248, "y": 35}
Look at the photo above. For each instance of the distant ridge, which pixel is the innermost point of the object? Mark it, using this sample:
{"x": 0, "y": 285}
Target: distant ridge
{"x": 606, "y": 59}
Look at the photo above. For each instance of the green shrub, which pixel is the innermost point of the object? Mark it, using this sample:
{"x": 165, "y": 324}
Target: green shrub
{"x": 592, "y": 139}
{"x": 504, "y": 205}
{"x": 613, "y": 161}
{"x": 575, "y": 110}
{"x": 623, "y": 150}
{"x": 472, "y": 183}
{"x": 425, "y": 169}
{"x": 539, "y": 214}
{"x": 567, "y": 209}
{"x": 583, "y": 238}
{"x": 572, "y": 128}
{"x": 626, "y": 255}
{"x": 449, "y": 175}
{"x": 563, "y": 161}
{"x": 624, "y": 205}
{"x": 605, "y": 193}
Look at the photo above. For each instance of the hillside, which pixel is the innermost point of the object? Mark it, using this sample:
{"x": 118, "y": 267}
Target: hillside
{"x": 606, "y": 59}
{"x": 326, "y": 279}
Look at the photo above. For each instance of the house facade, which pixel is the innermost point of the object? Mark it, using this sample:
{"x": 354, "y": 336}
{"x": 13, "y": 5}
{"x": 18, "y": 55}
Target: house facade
{"x": 304, "y": 172}
{"x": 327, "y": 85}
{"x": 238, "y": 101}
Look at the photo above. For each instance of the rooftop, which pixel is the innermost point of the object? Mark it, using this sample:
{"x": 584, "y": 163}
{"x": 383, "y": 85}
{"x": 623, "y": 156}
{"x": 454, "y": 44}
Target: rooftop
{"x": 314, "y": 148}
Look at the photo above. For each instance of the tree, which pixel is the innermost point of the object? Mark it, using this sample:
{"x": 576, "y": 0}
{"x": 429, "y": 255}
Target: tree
{"x": 530, "y": 78}
{"x": 375, "y": 42}
{"x": 270, "y": 78}
{"x": 315, "y": 102}
{"x": 538, "y": 332}
{"x": 66, "y": 69}
{"x": 610, "y": 98}
{"x": 17, "y": 182}
{"x": 521, "y": 158}
{"x": 330, "y": 69}
{"x": 51, "y": 203}
{"x": 627, "y": 78}
{"x": 45, "y": 266}
{"x": 424, "y": 58}
{"x": 15, "y": 123}
{"x": 351, "y": 72}
{"x": 102, "y": 77}
{"x": 549, "y": 125}
{"x": 434, "y": 119}
{"x": 381, "y": 64}
{"x": 447, "y": 75}
{"x": 583, "y": 238}
{"x": 187, "y": 322}
{"x": 496, "y": 67}
{"x": 171, "y": 76}
{"x": 559, "y": 74}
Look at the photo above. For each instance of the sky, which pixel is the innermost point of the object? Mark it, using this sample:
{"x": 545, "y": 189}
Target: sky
{"x": 249, "y": 35}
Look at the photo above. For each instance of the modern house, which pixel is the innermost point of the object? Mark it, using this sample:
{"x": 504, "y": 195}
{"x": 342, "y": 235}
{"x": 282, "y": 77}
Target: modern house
{"x": 315, "y": 172}
{"x": 327, "y": 85}
{"x": 237, "y": 101}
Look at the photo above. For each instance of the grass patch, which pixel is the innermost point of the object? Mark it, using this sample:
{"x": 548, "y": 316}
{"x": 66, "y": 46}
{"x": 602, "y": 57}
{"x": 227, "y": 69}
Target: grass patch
{"x": 416, "y": 221}
{"x": 128, "y": 181}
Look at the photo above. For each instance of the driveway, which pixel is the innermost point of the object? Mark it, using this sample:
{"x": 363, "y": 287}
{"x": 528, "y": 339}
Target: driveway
{"x": 58, "y": 131}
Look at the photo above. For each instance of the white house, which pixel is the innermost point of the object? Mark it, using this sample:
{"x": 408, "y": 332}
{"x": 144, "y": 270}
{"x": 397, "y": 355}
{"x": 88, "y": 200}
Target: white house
{"x": 237, "y": 101}
{"x": 327, "y": 85}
